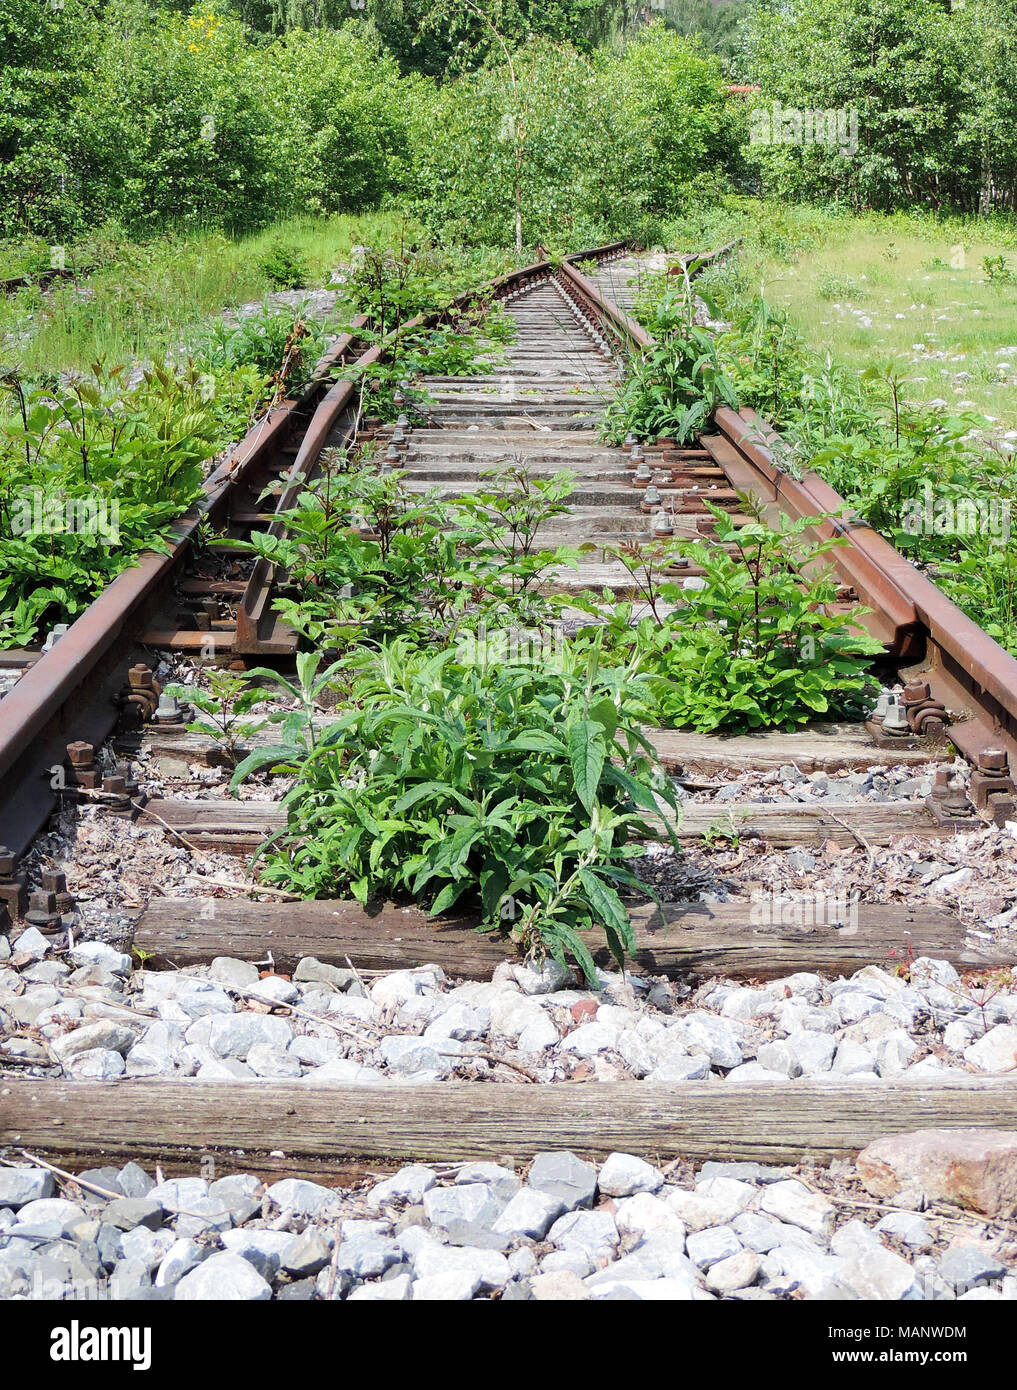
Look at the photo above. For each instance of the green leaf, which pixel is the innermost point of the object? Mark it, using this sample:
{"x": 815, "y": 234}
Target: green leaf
{"x": 587, "y": 754}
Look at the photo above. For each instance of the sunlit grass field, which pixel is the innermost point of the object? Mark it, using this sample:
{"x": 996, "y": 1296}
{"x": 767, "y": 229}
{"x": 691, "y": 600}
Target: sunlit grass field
{"x": 144, "y": 299}
{"x": 932, "y": 304}
{"x": 868, "y": 287}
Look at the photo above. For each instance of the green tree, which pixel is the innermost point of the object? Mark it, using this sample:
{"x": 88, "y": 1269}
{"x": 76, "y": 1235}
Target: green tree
{"x": 899, "y": 64}
{"x": 47, "y": 51}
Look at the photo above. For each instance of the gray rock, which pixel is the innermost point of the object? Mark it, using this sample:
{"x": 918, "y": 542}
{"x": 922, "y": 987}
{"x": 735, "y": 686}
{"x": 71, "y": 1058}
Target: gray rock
{"x": 233, "y": 1035}
{"x": 530, "y": 1213}
{"x": 265, "y": 1250}
{"x": 145, "y": 1247}
{"x": 397, "y": 1290}
{"x": 779, "y": 1057}
{"x": 790, "y": 1267}
{"x": 466, "y": 1202}
{"x": 813, "y": 1052}
{"x": 32, "y": 942}
{"x": 406, "y": 1186}
{"x": 875, "y": 1273}
{"x": 273, "y": 989}
{"x": 180, "y": 1259}
{"x": 709, "y": 1247}
{"x": 591, "y": 1038}
{"x": 452, "y": 1286}
{"x": 489, "y": 1267}
{"x": 223, "y": 1277}
{"x": 239, "y": 1194}
{"x": 647, "y": 1216}
{"x": 235, "y": 974}
{"x": 102, "y": 1034}
{"x": 737, "y": 1271}
{"x": 127, "y": 1212}
{"x": 713, "y": 1036}
{"x": 409, "y": 1056}
{"x": 793, "y": 1202}
{"x": 19, "y": 1186}
{"x": 337, "y": 977}
{"x": 179, "y": 1194}
{"x": 543, "y": 980}
{"x": 966, "y": 1266}
{"x": 895, "y": 1052}
{"x": 134, "y": 1181}
{"x": 853, "y": 1059}
{"x": 103, "y": 955}
{"x": 759, "y": 1233}
{"x": 314, "y": 1052}
{"x": 57, "y": 1212}
{"x": 592, "y": 1232}
{"x": 266, "y": 1060}
{"x": 503, "y": 1182}
{"x": 97, "y": 1064}
{"x": 460, "y": 1021}
{"x": 997, "y": 1051}
{"x": 365, "y": 1257}
{"x": 622, "y": 1175}
{"x": 302, "y": 1197}
{"x": 562, "y": 1175}
{"x": 225, "y": 1069}
{"x": 908, "y": 1227}
{"x": 306, "y": 1255}
{"x": 690, "y": 1067}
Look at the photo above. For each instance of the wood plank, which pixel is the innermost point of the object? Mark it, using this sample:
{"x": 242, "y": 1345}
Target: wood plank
{"x": 694, "y": 940}
{"x": 240, "y": 826}
{"x": 824, "y": 748}
{"x": 796, "y": 1121}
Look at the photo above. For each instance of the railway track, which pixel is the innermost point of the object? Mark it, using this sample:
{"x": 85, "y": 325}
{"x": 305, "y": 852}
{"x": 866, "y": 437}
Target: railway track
{"x": 539, "y": 407}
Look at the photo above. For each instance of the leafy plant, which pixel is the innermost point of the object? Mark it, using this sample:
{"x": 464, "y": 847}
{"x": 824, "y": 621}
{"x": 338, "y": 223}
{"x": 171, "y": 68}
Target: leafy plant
{"x": 748, "y": 643}
{"x": 92, "y": 471}
{"x": 283, "y": 348}
{"x": 671, "y": 387}
{"x": 285, "y": 267}
{"x": 223, "y": 704}
{"x": 515, "y": 791}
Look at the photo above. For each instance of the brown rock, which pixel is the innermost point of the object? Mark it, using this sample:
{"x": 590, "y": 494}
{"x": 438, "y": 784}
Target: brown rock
{"x": 973, "y": 1168}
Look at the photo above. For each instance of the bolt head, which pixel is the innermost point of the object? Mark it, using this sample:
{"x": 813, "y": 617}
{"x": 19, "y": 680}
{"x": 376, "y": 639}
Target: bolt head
{"x": 992, "y": 760}
{"x": 80, "y": 754}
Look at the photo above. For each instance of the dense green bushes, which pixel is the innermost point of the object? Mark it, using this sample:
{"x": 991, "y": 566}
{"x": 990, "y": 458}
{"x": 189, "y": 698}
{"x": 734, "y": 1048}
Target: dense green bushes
{"x": 160, "y": 120}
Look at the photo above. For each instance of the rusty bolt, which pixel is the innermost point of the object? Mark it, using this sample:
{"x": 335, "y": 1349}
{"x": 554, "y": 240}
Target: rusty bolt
{"x": 53, "y": 881}
{"x": 992, "y": 760}
{"x": 140, "y": 677}
{"x": 81, "y": 754}
{"x": 8, "y": 862}
{"x": 116, "y": 786}
{"x": 916, "y": 690}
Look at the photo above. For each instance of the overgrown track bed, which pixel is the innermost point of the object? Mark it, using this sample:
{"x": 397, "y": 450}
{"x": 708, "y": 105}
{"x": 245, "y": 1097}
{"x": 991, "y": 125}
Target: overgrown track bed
{"x": 162, "y": 849}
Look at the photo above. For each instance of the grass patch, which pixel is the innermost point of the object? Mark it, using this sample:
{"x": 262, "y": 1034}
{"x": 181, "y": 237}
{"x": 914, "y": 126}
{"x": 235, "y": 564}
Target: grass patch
{"x": 864, "y": 287}
{"x": 143, "y": 299}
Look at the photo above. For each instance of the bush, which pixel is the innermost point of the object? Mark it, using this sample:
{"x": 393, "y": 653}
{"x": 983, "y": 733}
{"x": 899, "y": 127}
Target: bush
{"x": 513, "y": 791}
{"x": 284, "y": 267}
{"x": 748, "y": 645}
